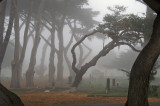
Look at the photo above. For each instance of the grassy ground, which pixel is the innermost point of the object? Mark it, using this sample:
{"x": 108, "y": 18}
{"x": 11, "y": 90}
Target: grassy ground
{"x": 96, "y": 87}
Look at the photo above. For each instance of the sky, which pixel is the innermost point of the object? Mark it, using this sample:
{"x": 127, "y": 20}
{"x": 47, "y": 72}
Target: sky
{"x": 101, "y": 5}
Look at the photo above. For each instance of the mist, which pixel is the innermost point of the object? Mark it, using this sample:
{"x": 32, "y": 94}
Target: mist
{"x": 68, "y": 46}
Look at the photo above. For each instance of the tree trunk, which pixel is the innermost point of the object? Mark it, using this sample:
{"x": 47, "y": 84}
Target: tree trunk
{"x": 139, "y": 78}
{"x": 15, "y": 81}
{"x": 4, "y": 45}
{"x": 2, "y": 18}
{"x": 78, "y": 79}
{"x": 52, "y": 54}
{"x": 149, "y": 16}
{"x": 8, "y": 98}
{"x": 80, "y": 72}
{"x": 42, "y": 68}
{"x": 30, "y": 72}
{"x": 60, "y": 56}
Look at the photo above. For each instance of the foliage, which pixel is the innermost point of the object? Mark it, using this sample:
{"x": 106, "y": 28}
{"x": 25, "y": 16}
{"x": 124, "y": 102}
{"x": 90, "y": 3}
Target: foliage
{"x": 124, "y": 27}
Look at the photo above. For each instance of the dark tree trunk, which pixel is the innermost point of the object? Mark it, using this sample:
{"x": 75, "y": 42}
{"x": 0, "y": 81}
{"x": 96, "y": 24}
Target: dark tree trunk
{"x": 2, "y": 18}
{"x": 8, "y": 98}
{"x": 139, "y": 78}
{"x": 78, "y": 79}
{"x": 149, "y": 16}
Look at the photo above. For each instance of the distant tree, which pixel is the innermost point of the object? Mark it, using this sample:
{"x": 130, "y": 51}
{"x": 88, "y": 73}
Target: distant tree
{"x": 72, "y": 10}
{"x": 139, "y": 78}
{"x": 31, "y": 69}
{"x": 4, "y": 39}
{"x": 19, "y": 55}
{"x": 41, "y": 68}
{"x": 121, "y": 29}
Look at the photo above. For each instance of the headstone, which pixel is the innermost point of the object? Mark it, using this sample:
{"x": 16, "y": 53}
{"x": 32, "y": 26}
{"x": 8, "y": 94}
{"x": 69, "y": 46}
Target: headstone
{"x": 46, "y": 91}
{"x": 53, "y": 85}
{"x": 70, "y": 80}
{"x": 108, "y": 85}
{"x": 117, "y": 84}
{"x": 113, "y": 82}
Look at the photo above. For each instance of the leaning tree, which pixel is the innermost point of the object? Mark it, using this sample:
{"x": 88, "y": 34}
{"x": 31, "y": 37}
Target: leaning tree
{"x": 120, "y": 29}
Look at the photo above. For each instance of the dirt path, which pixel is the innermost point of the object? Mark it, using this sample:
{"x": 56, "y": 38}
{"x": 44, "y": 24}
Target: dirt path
{"x": 70, "y": 98}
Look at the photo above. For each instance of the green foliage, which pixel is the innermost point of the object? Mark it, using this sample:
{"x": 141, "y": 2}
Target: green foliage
{"x": 122, "y": 27}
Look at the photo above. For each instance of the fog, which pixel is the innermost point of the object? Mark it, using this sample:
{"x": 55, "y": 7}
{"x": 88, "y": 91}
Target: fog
{"x": 75, "y": 43}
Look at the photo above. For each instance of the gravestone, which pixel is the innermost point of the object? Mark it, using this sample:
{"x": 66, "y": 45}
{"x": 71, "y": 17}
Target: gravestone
{"x": 108, "y": 85}
{"x": 113, "y": 82}
{"x": 70, "y": 80}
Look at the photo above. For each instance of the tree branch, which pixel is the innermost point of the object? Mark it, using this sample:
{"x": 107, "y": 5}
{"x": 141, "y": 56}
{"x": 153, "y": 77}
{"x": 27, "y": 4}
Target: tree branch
{"x": 132, "y": 47}
{"x": 73, "y": 50}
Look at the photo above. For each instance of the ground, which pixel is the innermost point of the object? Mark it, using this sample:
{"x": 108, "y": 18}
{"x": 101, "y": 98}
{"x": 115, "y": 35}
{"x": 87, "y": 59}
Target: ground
{"x": 70, "y": 98}
{"x": 89, "y": 92}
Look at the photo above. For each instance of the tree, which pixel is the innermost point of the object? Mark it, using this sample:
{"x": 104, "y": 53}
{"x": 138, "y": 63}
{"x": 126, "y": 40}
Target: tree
{"x": 71, "y": 10}
{"x": 42, "y": 68}
{"x": 139, "y": 78}
{"x": 84, "y": 17}
{"x": 4, "y": 40}
{"x": 7, "y": 98}
{"x": 17, "y": 63}
{"x": 30, "y": 71}
{"x": 121, "y": 29}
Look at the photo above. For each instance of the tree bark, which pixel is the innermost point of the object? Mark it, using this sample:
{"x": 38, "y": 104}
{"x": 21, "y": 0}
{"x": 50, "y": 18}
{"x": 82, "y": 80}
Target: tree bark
{"x": 139, "y": 77}
{"x": 78, "y": 78}
{"x": 8, "y": 98}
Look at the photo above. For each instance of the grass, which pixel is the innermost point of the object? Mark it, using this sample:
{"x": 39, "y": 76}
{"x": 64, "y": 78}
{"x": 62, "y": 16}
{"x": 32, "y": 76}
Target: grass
{"x": 96, "y": 87}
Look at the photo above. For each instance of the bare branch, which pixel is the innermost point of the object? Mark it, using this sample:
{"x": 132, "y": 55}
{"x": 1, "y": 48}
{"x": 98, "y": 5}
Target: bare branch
{"x": 48, "y": 42}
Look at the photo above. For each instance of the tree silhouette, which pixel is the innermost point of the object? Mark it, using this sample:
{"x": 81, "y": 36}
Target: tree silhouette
{"x": 139, "y": 77}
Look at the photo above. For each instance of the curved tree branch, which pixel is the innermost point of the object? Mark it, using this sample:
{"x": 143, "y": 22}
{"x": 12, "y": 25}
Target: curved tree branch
{"x": 73, "y": 50}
